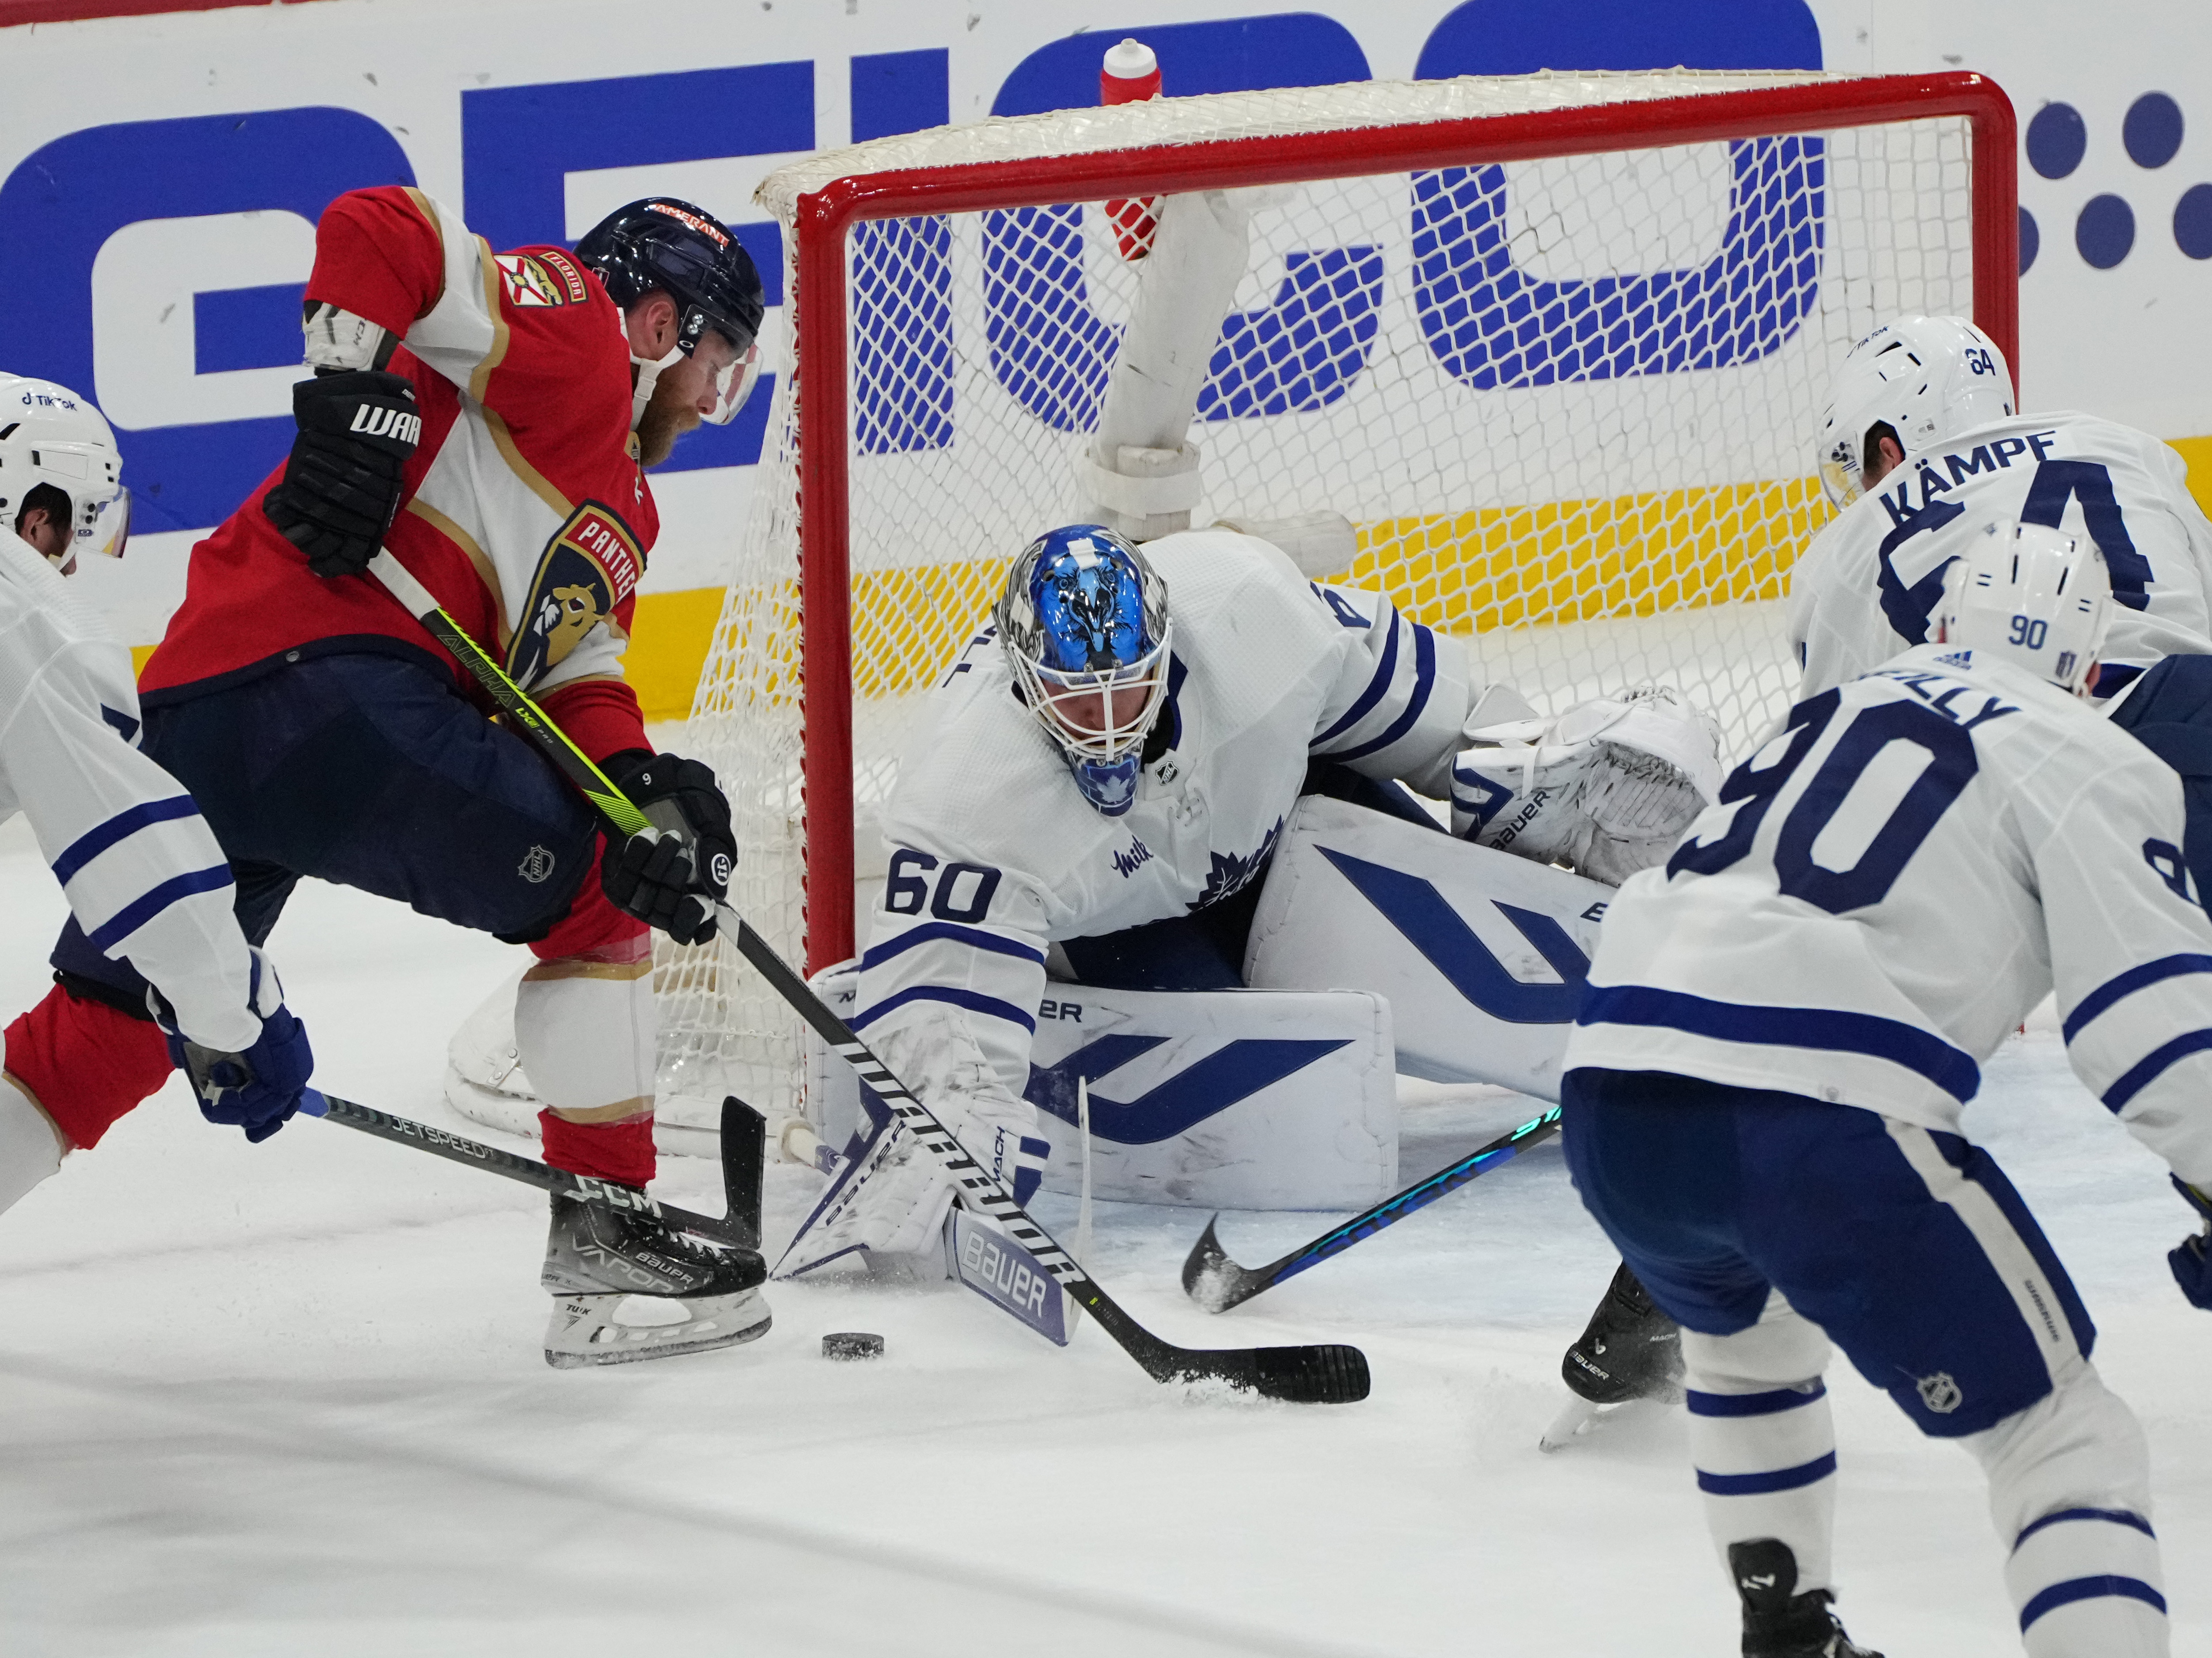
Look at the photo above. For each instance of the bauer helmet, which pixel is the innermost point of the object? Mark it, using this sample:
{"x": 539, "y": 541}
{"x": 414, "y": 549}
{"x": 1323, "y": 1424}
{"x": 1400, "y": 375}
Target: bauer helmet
{"x": 1926, "y": 379}
{"x": 1084, "y": 622}
{"x": 2025, "y": 593}
{"x": 53, "y": 439}
{"x": 662, "y": 245}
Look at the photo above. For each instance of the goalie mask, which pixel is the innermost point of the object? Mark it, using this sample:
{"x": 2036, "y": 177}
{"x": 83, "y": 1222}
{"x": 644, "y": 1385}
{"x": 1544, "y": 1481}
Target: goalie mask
{"x": 1926, "y": 379}
{"x": 1084, "y": 622}
{"x": 2028, "y": 594}
{"x": 57, "y": 452}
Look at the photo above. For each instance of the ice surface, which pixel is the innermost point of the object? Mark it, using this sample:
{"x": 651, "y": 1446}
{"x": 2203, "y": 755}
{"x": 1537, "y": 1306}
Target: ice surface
{"x": 289, "y": 1399}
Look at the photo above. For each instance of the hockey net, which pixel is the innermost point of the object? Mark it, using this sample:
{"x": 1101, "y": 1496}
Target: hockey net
{"x": 1556, "y": 345}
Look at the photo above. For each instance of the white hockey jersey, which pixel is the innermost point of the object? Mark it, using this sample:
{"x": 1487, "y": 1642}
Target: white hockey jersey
{"x": 1866, "y": 587}
{"x": 142, "y": 870}
{"x": 994, "y": 854}
{"x": 1888, "y": 886}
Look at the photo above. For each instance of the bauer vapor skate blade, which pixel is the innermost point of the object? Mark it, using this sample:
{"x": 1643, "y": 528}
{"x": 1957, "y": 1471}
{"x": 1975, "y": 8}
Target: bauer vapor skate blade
{"x": 620, "y": 1328}
{"x": 1777, "y": 1621}
{"x": 1630, "y": 1350}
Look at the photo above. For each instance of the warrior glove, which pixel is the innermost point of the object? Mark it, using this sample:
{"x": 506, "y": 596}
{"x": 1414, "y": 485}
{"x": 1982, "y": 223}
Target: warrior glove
{"x": 2192, "y": 1270}
{"x": 258, "y": 1089}
{"x": 670, "y": 876}
{"x": 341, "y": 489}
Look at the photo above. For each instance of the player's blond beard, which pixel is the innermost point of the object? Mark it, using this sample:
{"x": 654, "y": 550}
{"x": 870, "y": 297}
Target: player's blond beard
{"x": 667, "y": 417}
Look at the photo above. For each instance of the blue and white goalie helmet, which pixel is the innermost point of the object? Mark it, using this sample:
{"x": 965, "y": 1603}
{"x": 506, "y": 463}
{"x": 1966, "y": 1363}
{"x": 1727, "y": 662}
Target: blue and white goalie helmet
{"x": 1927, "y": 379}
{"x": 2028, "y": 594}
{"x": 1084, "y": 622}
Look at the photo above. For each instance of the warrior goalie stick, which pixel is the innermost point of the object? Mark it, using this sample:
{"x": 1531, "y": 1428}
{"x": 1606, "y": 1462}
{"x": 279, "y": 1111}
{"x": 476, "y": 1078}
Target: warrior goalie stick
{"x": 743, "y": 1132}
{"x": 1321, "y": 1373}
{"x": 1216, "y": 1283}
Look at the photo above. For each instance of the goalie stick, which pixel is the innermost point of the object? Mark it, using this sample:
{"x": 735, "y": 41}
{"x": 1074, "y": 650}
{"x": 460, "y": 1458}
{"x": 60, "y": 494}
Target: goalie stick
{"x": 1216, "y": 1283}
{"x": 743, "y": 1130}
{"x": 1321, "y": 1373}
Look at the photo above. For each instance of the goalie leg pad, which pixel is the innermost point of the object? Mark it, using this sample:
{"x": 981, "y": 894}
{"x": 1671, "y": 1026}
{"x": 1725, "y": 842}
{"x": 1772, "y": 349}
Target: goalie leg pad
{"x": 1481, "y": 956}
{"x": 1221, "y": 1099}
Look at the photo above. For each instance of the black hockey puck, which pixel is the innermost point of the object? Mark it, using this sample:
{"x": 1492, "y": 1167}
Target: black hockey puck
{"x": 851, "y": 1343}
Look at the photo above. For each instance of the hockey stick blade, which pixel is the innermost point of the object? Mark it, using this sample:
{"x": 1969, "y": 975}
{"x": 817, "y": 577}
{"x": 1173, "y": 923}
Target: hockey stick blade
{"x": 745, "y": 1156}
{"x": 421, "y": 1137}
{"x": 1216, "y": 1283}
{"x": 1320, "y": 1374}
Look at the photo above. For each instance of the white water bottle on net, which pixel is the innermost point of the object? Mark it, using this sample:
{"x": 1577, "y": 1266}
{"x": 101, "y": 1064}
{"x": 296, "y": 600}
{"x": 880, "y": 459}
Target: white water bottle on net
{"x": 1541, "y": 357}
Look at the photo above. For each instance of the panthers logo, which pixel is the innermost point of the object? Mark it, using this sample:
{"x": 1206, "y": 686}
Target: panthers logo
{"x": 589, "y": 569}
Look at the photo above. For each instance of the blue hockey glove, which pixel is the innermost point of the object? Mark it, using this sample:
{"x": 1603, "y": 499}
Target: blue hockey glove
{"x": 2192, "y": 1271}
{"x": 258, "y": 1089}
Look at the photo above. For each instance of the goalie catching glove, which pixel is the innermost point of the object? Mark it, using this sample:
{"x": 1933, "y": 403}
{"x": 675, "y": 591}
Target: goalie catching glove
{"x": 341, "y": 487}
{"x": 1607, "y": 788}
{"x": 258, "y": 1089}
{"x": 671, "y": 876}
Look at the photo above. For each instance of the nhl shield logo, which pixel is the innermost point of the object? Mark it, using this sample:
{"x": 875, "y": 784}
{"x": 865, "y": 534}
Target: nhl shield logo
{"x": 589, "y": 569}
{"x": 537, "y": 865}
{"x": 1940, "y": 1394}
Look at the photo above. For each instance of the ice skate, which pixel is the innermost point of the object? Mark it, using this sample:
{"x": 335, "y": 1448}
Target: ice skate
{"x": 1777, "y": 1622}
{"x": 626, "y": 1287}
{"x": 1631, "y": 1351}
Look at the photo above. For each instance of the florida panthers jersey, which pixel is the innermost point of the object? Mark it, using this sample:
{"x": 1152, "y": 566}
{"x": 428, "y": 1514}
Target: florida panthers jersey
{"x": 526, "y": 513}
{"x": 142, "y": 870}
{"x": 1869, "y": 583}
{"x": 1886, "y": 887}
{"x": 994, "y": 854}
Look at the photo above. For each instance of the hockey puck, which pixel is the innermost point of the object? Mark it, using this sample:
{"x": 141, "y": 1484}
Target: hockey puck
{"x": 851, "y": 1343}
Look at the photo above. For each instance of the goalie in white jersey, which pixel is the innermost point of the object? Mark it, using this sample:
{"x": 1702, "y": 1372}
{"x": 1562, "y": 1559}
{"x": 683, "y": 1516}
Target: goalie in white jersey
{"x": 141, "y": 871}
{"x": 1762, "y": 1106}
{"x": 1107, "y": 770}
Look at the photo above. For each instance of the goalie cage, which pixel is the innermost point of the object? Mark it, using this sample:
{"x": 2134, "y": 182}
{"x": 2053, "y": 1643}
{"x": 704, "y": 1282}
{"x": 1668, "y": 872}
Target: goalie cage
{"x": 1555, "y": 344}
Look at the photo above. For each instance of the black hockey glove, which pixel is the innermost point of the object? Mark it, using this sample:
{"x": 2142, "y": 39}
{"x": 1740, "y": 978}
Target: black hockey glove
{"x": 2192, "y": 1269}
{"x": 670, "y": 878}
{"x": 341, "y": 488}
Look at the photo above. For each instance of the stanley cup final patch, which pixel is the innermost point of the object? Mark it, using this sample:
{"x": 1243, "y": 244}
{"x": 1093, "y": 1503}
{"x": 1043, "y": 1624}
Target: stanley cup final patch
{"x": 590, "y": 566}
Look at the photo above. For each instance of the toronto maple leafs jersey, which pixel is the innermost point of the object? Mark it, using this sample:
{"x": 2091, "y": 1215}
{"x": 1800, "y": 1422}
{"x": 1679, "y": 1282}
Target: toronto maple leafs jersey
{"x": 1869, "y": 582}
{"x": 994, "y": 854}
{"x": 1886, "y": 888}
{"x": 143, "y": 872}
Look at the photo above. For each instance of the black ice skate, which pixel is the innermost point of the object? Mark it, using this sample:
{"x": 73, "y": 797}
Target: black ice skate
{"x": 626, "y": 1287}
{"x": 1631, "y": 1351}
{"x": 1778, "y": 1622}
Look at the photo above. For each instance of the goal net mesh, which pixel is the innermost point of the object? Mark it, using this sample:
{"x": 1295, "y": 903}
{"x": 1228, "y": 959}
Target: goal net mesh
{"x": 1567, "y": 403}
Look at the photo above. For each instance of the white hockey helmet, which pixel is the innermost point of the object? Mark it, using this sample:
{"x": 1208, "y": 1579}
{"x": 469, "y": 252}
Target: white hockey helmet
{"x": 2028, "y": 594}
{"x": 1928, "y": 379}
{"x": 51, "y": 436}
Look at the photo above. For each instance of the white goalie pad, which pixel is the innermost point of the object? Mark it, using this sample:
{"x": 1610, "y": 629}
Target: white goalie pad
{"x": 1481, "y": 955}
{"x": 1224, "y": 1099}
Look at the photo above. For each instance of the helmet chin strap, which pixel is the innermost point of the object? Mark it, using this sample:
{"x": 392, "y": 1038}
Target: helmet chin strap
{"x": 649, "y": 371}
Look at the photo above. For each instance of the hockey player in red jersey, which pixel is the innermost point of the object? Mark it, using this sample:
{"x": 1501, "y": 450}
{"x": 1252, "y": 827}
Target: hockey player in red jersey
{"x": 487, "y": 417}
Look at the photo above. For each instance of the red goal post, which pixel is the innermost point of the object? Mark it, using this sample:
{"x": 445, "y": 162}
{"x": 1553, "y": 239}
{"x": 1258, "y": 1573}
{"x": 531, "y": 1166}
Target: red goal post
{"x": 825, "y": 218}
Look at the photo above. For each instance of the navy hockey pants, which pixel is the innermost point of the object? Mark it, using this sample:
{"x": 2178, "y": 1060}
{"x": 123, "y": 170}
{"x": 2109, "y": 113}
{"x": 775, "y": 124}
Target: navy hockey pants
{"x": 2170, "y": 714}
{"x": 1204, "y": 950}
{"x": 371, "y": 771}
{"x": 1932, "y": 1274}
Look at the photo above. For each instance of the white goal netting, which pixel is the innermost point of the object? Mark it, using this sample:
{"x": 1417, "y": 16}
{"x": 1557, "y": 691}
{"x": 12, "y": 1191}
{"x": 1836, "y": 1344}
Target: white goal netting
{"x": 1567, "y": 402}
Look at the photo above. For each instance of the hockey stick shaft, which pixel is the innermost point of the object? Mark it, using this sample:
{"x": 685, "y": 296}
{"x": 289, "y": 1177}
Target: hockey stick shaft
{"x": 528, "y": 1171}
{"x": 1227, "y": 1284}
{"x": 1321, "y": 1374}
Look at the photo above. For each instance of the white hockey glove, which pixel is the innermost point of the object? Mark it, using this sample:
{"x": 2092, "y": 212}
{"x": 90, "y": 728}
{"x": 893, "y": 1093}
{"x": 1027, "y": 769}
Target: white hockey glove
{"x": 891, "y": 1196}
{"x": 1607, "y": 788}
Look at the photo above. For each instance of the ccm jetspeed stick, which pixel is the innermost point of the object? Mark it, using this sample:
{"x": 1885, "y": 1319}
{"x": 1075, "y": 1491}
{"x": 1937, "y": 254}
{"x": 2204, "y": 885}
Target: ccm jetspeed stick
{"x": 1326, "y": 1373}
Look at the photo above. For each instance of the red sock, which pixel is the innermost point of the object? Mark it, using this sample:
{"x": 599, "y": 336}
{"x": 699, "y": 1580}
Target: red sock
{"x": 607, "y": 1150}
{"x": 85, "y": 1062}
